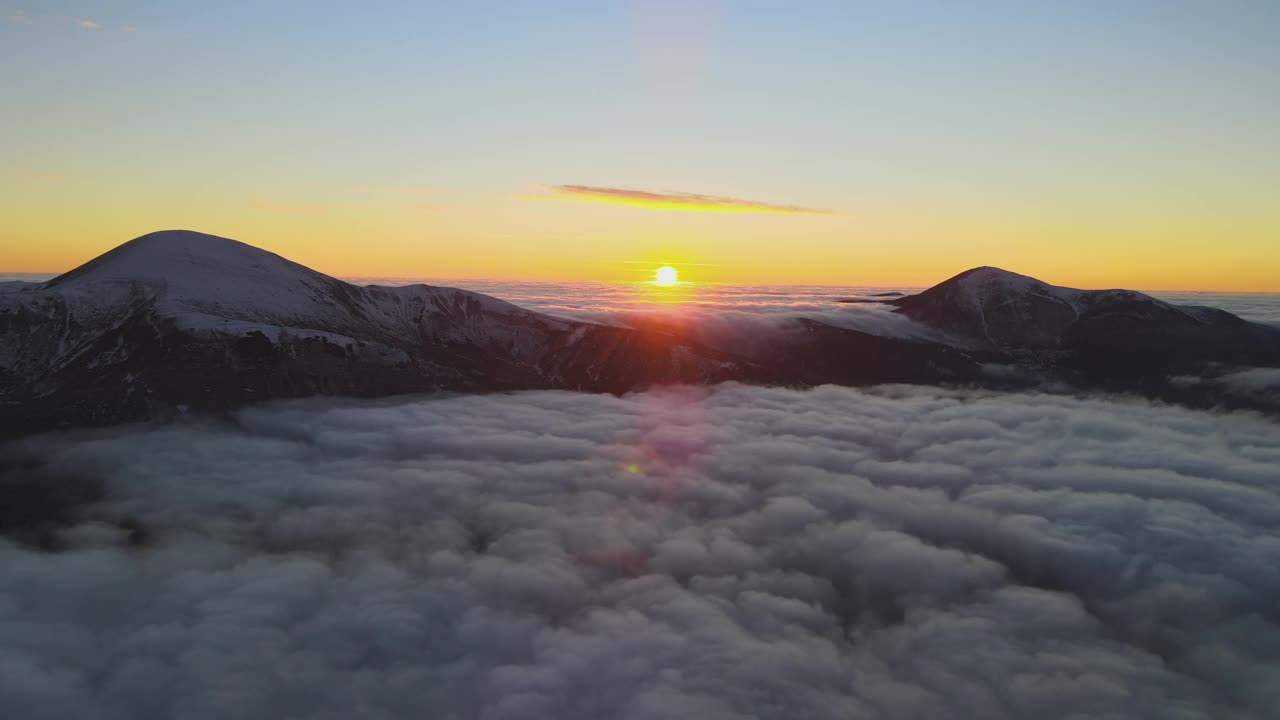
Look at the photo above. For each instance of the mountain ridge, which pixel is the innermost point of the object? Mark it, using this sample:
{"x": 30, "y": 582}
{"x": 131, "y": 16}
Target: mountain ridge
{"x": 178, "y": 321}
{"x": 1013, "y": 311}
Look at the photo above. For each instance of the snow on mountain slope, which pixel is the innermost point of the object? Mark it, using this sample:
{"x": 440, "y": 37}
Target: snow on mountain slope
{"x": 204, "y": 285}
{"x": 176, "y": 320}
{"x": 205, "y": 282}
{"x": 984, "y": 285}
{"x": 1006, "y": 308}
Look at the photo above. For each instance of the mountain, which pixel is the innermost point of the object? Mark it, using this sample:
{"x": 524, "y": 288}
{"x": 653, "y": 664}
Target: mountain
{"x": 1105, "y": 334}
{"x": 181, "y": 322}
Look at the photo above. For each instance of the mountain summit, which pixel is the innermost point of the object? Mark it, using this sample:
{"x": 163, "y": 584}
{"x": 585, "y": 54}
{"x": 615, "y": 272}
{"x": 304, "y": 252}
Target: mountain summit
{"x": 1106, "y": 333}
{"x": 1007, "y": 308}
{"x": 208, "y": 282}
{"x": 181, "y": 256}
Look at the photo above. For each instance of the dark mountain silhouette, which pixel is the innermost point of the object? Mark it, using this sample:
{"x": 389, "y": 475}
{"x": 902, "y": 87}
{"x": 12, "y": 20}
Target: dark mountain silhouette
{"x": 1107, "y": 334}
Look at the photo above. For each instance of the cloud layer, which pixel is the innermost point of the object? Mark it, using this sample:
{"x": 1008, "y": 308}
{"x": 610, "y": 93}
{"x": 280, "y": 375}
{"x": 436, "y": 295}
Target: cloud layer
{"x": 1259, "y": 385}
{"x": 723, "y": 553}
{"x": 675, "y": 201}
{"x": 725, "y": 316}
{"x": 734, "y": 318}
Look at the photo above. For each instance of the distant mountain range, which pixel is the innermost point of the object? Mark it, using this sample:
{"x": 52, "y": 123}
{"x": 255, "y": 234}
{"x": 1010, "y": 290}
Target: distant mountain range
{"x": 181, "y": 322}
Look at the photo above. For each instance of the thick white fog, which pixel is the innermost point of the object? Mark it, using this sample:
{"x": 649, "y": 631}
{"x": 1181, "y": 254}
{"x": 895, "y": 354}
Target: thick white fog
{"x": 730, "y": 552}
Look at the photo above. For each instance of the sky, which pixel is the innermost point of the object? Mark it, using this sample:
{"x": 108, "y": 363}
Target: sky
{"x": 1094, "y": 144}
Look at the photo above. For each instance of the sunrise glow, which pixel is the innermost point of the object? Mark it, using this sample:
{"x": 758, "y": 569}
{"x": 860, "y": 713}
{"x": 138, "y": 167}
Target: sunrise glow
{"x": 665, "y": 276}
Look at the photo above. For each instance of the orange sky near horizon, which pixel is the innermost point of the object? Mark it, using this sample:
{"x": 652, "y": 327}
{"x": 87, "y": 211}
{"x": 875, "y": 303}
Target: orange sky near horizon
{"x": 54, "y": 224}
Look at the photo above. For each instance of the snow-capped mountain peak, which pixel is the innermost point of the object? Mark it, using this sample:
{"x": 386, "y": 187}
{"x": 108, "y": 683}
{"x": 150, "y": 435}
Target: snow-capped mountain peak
{"x": 987, "y": 286}
{"x": 1011, "y": 310}
{"x": 194, "y": 262}
{"x": 206, "y": 282}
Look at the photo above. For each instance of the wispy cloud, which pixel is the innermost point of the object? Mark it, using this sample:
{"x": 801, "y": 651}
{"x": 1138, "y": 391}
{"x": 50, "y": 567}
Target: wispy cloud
{"x": 91, "y": 25}
{"x": 129, "y": 28}
{"x": 673, "y": 200}
{"x": 38, "y": 175}
{"x": 20, "y": 18}
{"x": 404, "y": 190}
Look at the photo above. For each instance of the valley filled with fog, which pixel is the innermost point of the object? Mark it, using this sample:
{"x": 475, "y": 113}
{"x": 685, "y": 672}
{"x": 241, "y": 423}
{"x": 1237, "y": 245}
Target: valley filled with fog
{"x": 722, "y": 552}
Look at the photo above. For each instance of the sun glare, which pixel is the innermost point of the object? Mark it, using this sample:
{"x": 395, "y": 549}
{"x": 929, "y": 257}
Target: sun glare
{"x": 665, "y": 276}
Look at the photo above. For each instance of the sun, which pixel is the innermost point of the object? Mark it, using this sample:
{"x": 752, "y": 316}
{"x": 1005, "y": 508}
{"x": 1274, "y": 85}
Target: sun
{"x": 665, "y": 276}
